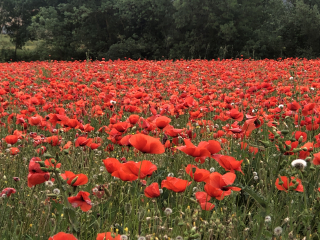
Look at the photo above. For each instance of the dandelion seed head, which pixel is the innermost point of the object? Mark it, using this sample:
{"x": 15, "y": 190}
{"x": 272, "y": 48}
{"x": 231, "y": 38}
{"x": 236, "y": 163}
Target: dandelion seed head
{"x": 56, "y": 191}
{"x": 123, "y": 237}
{"x": 267, "y": 219}
{"x": 170, "y": 175}
{"x": 277, "y": 231}
{"x": 212, "y": 169}
{"x": 49, "y": 183}
{"x": 299, "y": 164}
{"x": 256, "y": 178}
{"x": 168, "y": 211}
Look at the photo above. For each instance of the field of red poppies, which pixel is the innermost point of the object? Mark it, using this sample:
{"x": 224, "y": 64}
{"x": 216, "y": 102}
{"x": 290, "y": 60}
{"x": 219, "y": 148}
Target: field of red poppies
{"x": 160, "y": 150}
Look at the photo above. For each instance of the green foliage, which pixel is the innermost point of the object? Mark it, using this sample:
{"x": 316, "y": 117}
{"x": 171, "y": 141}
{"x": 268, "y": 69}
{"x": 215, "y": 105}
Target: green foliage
{"x": 153, "y": 29}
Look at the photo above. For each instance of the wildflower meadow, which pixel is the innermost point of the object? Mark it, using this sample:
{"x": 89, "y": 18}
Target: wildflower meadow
{"x": 152, "y": 150}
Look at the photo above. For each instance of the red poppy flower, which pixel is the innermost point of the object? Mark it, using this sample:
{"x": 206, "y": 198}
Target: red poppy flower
{"x": 152, "y": 191}
{"x": 199, "y": 175}
{"x": 298, "y": 135}
{"x": 307, "y": 148}
{"x": 111, "y": 164}
{"x": 108, "y": 236}
{"x": 72, "y": 123}
{"x": 67, "y": 145}
{"x": 217, "y": 185}
{"x": 125, "y": 141}
{"x": 51, "y": 163}
{"x": 7, "y": 192}
{"x": 82, "y": 179}
{"x": 63, "y": 236}
{"x": 202, "y": 197}
{"x": 11, "y": 139}
{"x": 172, "y": 132}
{"x": 133, "y": 119}
{"x": 34, "y": 121}
{"x": 14, "y": 151}
{"x": 175, "y": 184}
{"x": 36, "y": 175}
{"x": 162, "y": 121}
{"x": 121, "y": 126}
{"x": 83, "y": 141}
{"x": 146, "y": 144}
{"x": 207, "y": 206}
{"x": 316, "y": 158}
{"x": 228, "y": 163}
{"x": 41, "y": 150}
{"x": 131, "y": 171}
{"x": 294, "y": 106}
{"x": 213, "y": 146}
{"x": 200, "y": 153}
{"x": 286, "y": 184}
{"x": 236, "y": 115}
{"x": 293, "y": 146}
{"x": 82, "y": 200}
{"x": 53, "y": 140}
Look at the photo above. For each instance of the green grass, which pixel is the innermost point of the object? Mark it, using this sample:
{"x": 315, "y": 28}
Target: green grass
{"x": 7, "y": 44}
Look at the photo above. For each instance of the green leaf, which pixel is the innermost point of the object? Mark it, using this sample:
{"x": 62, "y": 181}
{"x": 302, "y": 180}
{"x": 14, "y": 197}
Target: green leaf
{"x": 72, "y": 217}
{"x": 47, "y": 155}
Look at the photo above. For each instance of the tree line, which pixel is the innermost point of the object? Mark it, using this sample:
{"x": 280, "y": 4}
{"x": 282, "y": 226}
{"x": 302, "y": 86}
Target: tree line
{"x": 163, "y": 29}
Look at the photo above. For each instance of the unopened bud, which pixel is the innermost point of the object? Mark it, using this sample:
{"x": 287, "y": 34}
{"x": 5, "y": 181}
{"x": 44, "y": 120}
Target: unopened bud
{"x": 74, "y": 180}
{"x": 284, "y": 132}
{"x": 51, "y": 195}
{"x": 297, "y": 150}
{"x": 300, "y": 139}
{"x": 44, "y": 169}
{"x": 41, "y": 164}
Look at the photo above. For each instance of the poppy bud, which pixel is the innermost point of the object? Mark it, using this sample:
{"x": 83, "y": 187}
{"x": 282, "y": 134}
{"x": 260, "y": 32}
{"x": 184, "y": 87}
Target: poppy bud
{"x": 44, "y": 169}
{"x": 41, "y": 164}
{"x": 280, "y": 181}
{"x": 107, "y": 192}
{"x": 63, "y": 181}
{"x": 265, "y": 143}
{"x": 53, "y": 161}
{"x": 308, "y": 159}
{"x": 51, "y": 195}
{"x": 74, "y": 180}
{"x": 284, "y": 132}
{"x": 288, "y": 147}
{"x": 300, "y": 139}
{"x": 297, "y": 150}
{"x": 282, "y": 148}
